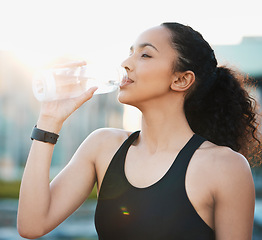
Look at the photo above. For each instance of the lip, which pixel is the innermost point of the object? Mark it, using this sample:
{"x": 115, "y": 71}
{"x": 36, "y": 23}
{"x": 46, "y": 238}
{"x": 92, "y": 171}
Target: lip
{"x": 125, "y": 81}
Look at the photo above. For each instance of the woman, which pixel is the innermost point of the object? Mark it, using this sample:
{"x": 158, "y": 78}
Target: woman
{"x": 180, "y": 177}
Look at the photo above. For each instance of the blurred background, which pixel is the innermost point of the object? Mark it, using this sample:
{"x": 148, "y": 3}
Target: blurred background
{"x": 36, "y": 34}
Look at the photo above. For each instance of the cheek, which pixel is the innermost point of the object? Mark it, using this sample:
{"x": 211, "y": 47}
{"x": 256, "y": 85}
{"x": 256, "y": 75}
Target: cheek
{"x": 156, "y": 76}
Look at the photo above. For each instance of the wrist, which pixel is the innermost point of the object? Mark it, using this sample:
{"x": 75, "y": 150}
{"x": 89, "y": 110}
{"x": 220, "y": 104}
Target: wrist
{"x": 49, "y": 124}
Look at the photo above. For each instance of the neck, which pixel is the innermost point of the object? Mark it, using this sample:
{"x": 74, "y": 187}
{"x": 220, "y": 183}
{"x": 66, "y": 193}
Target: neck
{"x": 164, "y": 127}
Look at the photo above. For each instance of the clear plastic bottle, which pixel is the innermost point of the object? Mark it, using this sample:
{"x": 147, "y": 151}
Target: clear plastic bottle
{"x": 62, "y": 83}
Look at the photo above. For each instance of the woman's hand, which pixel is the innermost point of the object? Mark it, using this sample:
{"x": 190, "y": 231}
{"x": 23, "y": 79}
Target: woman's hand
{"x": 54, "y": 113}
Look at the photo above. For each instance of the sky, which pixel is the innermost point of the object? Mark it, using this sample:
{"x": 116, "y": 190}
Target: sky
{"x": 38, "y": 31}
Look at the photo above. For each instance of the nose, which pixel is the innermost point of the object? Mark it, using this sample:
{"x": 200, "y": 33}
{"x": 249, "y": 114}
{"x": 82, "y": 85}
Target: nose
{"x": 127, "y": 64}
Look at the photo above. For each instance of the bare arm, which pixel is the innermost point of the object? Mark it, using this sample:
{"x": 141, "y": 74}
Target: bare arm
{"x": 234, "y": 199}
{"x": 42, "y": 206}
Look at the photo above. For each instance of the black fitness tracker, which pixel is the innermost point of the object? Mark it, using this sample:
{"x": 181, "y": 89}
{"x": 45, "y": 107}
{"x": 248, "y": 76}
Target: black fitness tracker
{"x": 44, "y": 136}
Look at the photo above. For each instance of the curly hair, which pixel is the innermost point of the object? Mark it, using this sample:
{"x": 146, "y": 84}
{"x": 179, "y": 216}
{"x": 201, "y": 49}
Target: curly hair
{"x": 217, "y": 107}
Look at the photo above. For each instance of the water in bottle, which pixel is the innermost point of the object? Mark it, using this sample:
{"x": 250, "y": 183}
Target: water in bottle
{"x": 70, "y": 82}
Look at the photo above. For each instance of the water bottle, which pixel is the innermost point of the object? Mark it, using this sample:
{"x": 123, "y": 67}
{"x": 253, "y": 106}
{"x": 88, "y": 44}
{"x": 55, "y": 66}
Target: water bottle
{"x": 70, "y": 82}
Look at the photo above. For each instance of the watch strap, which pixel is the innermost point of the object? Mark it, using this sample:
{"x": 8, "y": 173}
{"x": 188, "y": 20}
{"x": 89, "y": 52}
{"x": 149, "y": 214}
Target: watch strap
{"x": 44, "y": 136}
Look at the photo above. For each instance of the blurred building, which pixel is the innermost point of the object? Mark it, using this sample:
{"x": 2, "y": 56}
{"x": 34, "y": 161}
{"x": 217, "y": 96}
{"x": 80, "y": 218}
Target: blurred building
{"x": 245, "y": 57}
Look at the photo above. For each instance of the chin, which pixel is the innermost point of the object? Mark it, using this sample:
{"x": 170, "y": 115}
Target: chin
{"x": 125, "y": 98}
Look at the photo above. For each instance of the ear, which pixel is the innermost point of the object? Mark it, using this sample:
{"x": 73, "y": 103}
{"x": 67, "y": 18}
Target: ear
{"x": 182, "y": 81}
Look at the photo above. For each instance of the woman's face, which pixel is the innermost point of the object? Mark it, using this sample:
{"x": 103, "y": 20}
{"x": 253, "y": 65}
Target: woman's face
{"x": 149, "y": 67}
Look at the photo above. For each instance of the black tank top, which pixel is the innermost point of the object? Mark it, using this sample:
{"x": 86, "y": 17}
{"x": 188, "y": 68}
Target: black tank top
{"x": 161, "y": 211}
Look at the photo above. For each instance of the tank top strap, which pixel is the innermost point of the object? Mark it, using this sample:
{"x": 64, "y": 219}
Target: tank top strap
{"x": 184, "y": 156}
{"x": 133, "y": 136}
{"x": 122, "y": 151}
{"x": 114, "y": 175}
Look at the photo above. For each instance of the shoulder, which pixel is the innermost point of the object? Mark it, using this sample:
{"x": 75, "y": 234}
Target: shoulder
{"x": 222, "y": 157}
{"x": 225, "y": 159}
{"x": 104, "y": 141}
{"x": 228, "y": 170}
{"x": 108, "y": 135}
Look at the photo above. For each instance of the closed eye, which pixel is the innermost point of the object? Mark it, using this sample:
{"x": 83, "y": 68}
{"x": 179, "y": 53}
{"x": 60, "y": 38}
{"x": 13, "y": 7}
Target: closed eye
{"x": 145, "y": 56}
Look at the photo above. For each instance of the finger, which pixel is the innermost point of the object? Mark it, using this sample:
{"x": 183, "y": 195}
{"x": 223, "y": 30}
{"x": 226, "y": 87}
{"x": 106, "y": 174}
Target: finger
{"x": 85, "y": 96}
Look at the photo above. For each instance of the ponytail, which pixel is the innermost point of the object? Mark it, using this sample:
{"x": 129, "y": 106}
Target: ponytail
{"x": 226, "y": 115}
{"x": 217, "y": 106}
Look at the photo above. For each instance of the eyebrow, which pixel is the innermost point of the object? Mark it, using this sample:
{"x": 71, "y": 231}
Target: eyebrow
{"x": 142, "y": 45}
